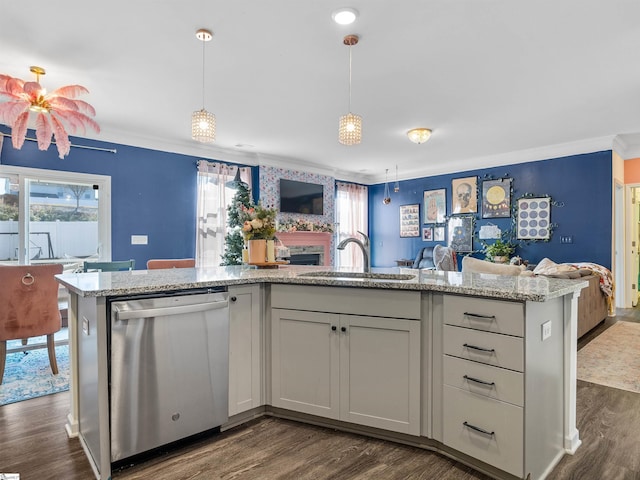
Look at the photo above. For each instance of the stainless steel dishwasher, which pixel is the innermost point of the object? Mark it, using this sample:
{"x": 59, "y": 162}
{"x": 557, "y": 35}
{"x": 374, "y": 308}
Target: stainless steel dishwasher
{"x": 169, "y": 368}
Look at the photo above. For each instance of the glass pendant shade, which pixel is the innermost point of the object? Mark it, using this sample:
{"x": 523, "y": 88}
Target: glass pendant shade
{"x": 203, "y": 126}
{"x": 386, "y": 199}
{"x": 350, "y": 130}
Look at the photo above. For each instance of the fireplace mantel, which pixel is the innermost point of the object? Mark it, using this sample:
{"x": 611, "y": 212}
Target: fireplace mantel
{"x": 307, "y": 239}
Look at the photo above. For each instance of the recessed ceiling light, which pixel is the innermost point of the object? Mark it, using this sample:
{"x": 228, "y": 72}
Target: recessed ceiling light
{"x": 344, "y": 16}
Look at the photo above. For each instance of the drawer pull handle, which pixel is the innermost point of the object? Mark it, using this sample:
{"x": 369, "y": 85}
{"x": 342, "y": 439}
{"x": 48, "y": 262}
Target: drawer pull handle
{"x": 481, "y": 382}
{"x": 477, "y": 315}
{"x": 478, "y": 429}
{"x": 480, "y": 349}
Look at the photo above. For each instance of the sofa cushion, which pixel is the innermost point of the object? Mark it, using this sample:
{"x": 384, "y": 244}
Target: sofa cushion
{"x": 475, "y": 265}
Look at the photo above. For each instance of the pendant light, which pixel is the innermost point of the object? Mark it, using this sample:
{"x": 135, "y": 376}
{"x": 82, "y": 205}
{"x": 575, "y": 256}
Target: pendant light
{"x": 203, "y": 123}
{"x": 396, "y": 187}
{"x": 350, "y": 128}
{"x": 387, "y": 196}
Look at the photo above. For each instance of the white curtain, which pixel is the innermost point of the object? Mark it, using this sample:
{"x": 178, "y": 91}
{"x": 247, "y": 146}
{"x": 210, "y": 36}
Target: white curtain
{"x": 351, "y": 216}
{"x": 214, "y": 196}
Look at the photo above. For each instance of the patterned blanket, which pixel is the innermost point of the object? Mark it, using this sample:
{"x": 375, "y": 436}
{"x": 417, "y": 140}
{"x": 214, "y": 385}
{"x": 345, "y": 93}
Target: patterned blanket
{"x": 606, "y": 282}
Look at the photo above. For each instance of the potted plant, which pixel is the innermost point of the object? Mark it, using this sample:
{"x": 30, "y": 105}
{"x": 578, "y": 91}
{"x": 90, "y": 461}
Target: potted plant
{"x": 499, "y": 251}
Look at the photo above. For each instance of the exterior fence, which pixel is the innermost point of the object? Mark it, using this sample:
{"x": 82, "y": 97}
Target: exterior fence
{"x": 50, "y": 240}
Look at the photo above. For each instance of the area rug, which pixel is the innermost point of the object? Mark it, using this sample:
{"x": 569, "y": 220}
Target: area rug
{"x": 613, "y": 358}
{"x": 29, "y": 375}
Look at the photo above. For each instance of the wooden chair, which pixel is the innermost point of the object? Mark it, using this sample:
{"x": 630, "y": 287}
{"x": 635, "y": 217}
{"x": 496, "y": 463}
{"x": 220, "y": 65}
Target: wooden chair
{"x": 109, "y": 266}
{"x": 29, "y": 307}
{"x": 171, "y": 263}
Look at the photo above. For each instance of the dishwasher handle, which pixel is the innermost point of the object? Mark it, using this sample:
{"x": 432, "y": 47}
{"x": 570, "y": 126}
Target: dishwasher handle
{"x": 164, "y": 311}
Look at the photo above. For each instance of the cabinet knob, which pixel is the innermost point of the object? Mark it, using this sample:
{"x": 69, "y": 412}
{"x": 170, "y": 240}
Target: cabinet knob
{"x": 334, "y": 328}
{"x": 343, "y": 329}
{"x": 233, "y": 299}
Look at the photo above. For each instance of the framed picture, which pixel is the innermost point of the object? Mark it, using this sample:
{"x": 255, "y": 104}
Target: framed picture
{"x": 534, "y": 218}
{"x": 464, "y": 195}
{"x": 427, "y": 234}
{"x": 461, "y": 233}
{"x": 496, "y": 198}
{"x": 434, "y": 206}
{"x": 410, "y": 220}
{"x": 438, "y": 234}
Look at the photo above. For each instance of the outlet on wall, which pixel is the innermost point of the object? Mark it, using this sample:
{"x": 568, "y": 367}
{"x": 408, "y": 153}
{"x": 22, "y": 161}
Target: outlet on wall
{"x": 139, "y": 240}
{"x": 546, "y": 330}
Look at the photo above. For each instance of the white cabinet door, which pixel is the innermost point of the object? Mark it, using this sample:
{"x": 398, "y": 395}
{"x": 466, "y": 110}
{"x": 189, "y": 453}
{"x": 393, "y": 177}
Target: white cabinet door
{"x": 380, "y": 372}
{"x": 245, "y": 348}
{"x": 305, "y": 362}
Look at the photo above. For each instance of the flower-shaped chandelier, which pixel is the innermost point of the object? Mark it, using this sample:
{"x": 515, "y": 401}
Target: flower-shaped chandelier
{"x": 55, "y": 112}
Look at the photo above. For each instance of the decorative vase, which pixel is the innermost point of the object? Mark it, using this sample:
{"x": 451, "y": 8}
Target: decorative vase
{"x": 271, "y": 251}
{"x": 257, "y": 251}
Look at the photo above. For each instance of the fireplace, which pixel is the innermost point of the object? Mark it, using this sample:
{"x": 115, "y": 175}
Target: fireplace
{"x": 305, "y": 244}
{"x": 305, "y": 259}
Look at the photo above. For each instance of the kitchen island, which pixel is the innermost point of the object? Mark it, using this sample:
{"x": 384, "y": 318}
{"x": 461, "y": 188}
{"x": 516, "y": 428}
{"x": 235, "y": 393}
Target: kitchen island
{"x": 442, "y": 344}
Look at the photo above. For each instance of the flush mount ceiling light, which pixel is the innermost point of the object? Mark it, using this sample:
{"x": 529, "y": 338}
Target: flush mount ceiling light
{"x": 419, "y": 135}
{"x": 203, "y": 123}
{"x": 54, "y": 111}
{"x": 344, "y": 16}
{"x": 350, "y": 127}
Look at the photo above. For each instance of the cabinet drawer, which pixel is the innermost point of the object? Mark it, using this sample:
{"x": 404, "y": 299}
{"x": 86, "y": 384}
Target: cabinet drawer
{"x": 502, "y": 444}
{"x": 490, "y": 348}
{"x": 485, "y": 314}
{"x": 493, "y": 382}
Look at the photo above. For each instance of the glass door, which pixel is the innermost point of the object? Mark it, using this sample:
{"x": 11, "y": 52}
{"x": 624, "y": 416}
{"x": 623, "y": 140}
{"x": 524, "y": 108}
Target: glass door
{"x": 9, "y": 215}
{"x": 53, "y": 217}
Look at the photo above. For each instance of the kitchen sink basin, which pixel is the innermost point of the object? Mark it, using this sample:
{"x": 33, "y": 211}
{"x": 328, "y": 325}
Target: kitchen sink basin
{"x": 366, "y": 275}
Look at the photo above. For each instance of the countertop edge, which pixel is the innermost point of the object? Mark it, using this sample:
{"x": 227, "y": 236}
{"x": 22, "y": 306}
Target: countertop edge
{"x": 423, "y": 282}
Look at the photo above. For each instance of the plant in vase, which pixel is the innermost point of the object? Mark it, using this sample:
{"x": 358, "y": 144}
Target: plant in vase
{"x": 259, "y": 226}
{"x": 499, "y": 251}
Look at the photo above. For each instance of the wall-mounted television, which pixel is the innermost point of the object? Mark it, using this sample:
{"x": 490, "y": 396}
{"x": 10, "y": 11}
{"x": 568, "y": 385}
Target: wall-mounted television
{"x": 301, "y": 197}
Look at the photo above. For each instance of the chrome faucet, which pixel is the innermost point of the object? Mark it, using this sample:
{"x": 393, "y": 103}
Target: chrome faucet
{"x": 364, "y": 246}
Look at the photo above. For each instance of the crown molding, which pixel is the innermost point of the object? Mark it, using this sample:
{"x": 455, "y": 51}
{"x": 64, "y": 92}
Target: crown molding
{"x": 188, "y": 147}
{"x": 521, "y": 156}
{"x": 627, "y": 145}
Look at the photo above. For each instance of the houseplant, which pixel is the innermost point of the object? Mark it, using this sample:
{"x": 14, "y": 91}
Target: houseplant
{"x": 499, "y": 251}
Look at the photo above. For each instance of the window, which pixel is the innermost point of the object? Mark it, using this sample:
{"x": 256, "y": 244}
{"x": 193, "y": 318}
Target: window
{"x": 52, "y": 216}
{"x": 351, "y": 217}
{"x": 215, "y": 193}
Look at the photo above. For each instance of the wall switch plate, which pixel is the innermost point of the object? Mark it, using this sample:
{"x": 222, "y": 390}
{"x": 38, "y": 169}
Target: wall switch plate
{"x": 546, "y": 330}
{"x": 566, "y": 239}
{"x": 139, "y": 240}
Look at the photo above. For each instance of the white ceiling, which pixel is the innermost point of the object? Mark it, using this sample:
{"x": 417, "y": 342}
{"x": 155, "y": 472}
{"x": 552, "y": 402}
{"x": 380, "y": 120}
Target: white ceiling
{"x": 498, "y": 81}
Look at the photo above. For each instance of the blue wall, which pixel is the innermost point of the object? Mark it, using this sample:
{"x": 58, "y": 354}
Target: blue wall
{"x": 581, "y": 182}
{"x": 153, "y": 193}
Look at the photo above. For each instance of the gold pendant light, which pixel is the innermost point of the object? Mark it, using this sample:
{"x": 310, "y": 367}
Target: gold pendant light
{"x": 203, "y": 123}
{"x": 350, "y": 127}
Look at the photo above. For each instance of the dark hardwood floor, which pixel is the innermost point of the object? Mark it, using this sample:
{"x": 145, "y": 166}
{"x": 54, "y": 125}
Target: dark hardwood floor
{"x": 33, "y": 442}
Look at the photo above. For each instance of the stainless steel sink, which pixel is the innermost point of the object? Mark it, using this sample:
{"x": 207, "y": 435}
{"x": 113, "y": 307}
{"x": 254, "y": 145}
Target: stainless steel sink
{"x": 366, "y": 275}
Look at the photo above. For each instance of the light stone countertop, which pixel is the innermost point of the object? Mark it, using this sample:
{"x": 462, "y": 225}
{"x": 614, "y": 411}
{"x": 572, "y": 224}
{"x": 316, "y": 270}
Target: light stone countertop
{"x": 522, "y": 288}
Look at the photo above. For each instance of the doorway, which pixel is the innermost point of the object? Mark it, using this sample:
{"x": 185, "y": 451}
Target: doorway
{"x": 628, "y": 265}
